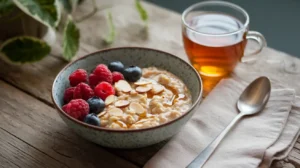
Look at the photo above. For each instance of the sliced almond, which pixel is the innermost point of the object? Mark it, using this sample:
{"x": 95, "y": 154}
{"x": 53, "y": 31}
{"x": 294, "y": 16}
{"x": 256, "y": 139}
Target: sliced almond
{"x": 121, "y": 103}
{"x": 143, "y": 120}
{"x": 137, "y": 108}
{"x": 104, "y": 123}
{"x": 129, "y": 119}
{"x": 156, "y": 89}
{"x": 133, "y": 92}
{"x": 123, "y": 86}
{"x": 115, "y": 111}
{"x": 110, "y": 99}
{"x": 136, "y": 117}
{"x": 142, "y": 82}
{"x": 122, "y": 124}
{"x": 128, "y": 111}
{"x": 114, "y": 118}
{"x": 101, "y": 114}
{"x": 143, "y": 88}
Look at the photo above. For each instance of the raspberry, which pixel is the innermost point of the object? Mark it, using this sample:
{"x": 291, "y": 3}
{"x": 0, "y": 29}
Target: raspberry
{"x": 117, "y": 76}
{"x": 104, "y": 89}
{"x": 68, "y": 95}
{"x": 77, "y": 108}
{"x": 93, "y": 80}
{"x": 66, "y": 108}
{"x": 103, "y": 73}
{"x": 78, "y": 76}
{"x": 83, "y": 91}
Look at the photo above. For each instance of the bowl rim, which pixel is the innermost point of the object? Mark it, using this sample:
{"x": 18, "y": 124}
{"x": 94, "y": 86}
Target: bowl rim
{"x": 128, "y": 130}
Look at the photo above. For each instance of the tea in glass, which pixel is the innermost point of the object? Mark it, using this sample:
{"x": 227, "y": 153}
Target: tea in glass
{"x": 215, "y": 35}
{"x": 210, "y": 55}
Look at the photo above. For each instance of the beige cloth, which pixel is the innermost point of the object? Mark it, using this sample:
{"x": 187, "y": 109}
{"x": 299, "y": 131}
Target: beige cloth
{"x": 245, "y": 145}
{"x": 287, "y": 139}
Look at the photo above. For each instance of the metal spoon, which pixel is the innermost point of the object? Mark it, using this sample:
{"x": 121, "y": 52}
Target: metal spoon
{"x": 252, "y": 100}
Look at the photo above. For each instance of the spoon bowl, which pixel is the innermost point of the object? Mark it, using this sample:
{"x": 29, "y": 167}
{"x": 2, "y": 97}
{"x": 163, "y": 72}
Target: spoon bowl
{"x": 255, "y": 96}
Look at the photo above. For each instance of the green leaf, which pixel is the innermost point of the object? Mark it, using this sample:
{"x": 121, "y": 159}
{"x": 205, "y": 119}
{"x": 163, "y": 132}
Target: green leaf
{"x": 6, "y": 6}
{"x": 70, "y": 40}
{"x": 112, "y": 32}
{"x": 45, "y": 11}
{"x": 141, "y": 10}
{"x": 69, "y": 5}
{"x": 25, "y": 49}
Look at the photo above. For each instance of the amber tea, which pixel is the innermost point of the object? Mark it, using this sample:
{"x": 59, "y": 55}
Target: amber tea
{"x": 215, "y": 34}
{"x": 211, "y": 55}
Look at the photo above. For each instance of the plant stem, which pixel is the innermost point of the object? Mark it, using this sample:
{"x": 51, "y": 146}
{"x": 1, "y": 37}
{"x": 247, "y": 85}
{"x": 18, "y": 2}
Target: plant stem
{"x": 89, "y": 14}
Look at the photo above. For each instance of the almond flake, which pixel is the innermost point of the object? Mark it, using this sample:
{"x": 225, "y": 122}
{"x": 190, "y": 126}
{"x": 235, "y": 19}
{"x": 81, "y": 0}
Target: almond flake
{"x": 101, "y": 114}
{"x": 123, "y": 86}
{"x": 122, "y": 124}
{"x": 137, "y": 108}
{"x": 110, "y": 99}
{"x": 156, "y": 89}
{"x": 143, "y": 120}
{"x": 143, "y": 88}
{"x": 133, "y": 92}
{"x": 142, "y": 82}
{"x": 121, "y": 103}
{"x": 115, "y": 112}
{"x": 136, "y": 117}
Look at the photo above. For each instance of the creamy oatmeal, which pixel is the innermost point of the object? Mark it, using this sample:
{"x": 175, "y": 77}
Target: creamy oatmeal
{"x": 156, "y": 98}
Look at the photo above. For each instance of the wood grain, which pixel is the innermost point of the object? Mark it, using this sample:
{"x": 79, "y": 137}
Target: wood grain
{"x": 16, "y": 153}
{"x": 7, "y": 163}
{"x": 35, "y": 79}
{"x": 39, "y": 126}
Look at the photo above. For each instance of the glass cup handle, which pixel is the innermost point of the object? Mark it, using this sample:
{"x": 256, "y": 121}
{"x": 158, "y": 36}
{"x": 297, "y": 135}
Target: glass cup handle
{"x": 260, "y": 39}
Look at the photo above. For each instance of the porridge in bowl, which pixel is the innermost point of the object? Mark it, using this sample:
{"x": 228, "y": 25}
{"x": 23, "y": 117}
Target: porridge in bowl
{"x": 156, "y": 98}
{"x": 126, "y": 98}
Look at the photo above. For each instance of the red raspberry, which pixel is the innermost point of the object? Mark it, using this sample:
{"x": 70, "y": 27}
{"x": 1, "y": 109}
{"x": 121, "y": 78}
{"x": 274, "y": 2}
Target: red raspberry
{"x": 77, "y": 108}
{"x": 68, "y": 96}
{"x": 104, "y": 89}
{"x": 103, "y": 73}
{"x": 117, "y": 76}
{"x": 80, "y": 75}
{"x": 66, "y": 108}
{"x": 83, "y": 91}
{"x": 93, "y": 80}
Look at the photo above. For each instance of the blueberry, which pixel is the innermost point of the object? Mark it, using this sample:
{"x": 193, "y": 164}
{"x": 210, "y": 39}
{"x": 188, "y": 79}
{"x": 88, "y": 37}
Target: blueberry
{"x": 132, "y": 73}
{"x": 116, "y": 66}
{"x": 92, "y": 119}
{"x": 96, "y": 105}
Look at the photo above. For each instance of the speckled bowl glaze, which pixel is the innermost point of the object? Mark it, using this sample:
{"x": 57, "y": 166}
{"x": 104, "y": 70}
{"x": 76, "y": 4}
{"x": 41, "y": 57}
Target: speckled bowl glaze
{"x": 143, "y": 57}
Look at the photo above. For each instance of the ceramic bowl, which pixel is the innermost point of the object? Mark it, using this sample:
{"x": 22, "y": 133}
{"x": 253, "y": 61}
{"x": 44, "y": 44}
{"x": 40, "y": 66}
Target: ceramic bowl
{"x": 143, "y": 57}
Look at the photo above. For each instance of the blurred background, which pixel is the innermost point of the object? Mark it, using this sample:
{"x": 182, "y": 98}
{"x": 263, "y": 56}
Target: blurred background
{"x": 277, "y": 20}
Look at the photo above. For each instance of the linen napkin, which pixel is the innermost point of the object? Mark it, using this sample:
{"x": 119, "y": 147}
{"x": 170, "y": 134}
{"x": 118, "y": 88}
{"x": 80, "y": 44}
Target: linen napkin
{"x": 246, "y": 143}
{"x": 281, "y": 148}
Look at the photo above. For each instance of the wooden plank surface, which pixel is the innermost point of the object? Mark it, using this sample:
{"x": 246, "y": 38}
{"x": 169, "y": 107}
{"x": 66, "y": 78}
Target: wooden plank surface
{"x": 36, "y": 78}
{"x": 16, "y": 153}
{"x": 39, "y": 126}
{"x": 37, "y": 123}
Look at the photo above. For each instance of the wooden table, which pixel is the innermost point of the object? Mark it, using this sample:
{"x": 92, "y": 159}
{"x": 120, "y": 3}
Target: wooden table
{"x": 33, "y": 135}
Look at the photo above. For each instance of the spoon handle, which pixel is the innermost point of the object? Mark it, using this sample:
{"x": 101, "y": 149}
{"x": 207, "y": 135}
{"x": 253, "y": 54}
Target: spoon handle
{"x": 200, "y": 160}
